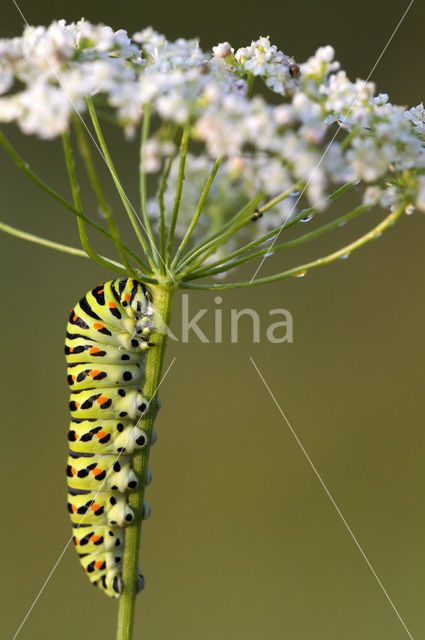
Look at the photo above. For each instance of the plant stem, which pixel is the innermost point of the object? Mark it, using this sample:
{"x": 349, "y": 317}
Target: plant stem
{"x": 162, "y": 299}
{"x": 127, "y": 205}
{"x": 216, "y": 239}
{"x": 161, "y": 193}
{"x": 24, "y": 166}
{"x": 31, "y": 237}
{"x": 142, "y": 181}
{"x": 288, "y": 223}
{"x": 192, "y": 225}
{"x": 101, "y": 200}
{"x": 75, "y": 189}
{"x": 302, "y": 268}
{"x": 183, "y": 153}
{"x": 226, "y": 265}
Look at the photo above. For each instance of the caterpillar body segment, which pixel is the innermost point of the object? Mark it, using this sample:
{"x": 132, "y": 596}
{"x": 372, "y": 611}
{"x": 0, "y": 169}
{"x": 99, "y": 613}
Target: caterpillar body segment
{"x": 106, "y": 436}
{"x": 107, "y": 338}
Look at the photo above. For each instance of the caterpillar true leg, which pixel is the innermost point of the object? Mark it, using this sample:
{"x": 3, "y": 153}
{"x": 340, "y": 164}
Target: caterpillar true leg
{"x": 106, "y": 341}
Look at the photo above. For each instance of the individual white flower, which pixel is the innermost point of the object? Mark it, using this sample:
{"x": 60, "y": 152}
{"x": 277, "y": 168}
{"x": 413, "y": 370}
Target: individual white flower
{"x": 416, "y": 115}
{"x": 222, "y": 50}
{"x": 372, "y": 195}
{"x": 321, "y": 64}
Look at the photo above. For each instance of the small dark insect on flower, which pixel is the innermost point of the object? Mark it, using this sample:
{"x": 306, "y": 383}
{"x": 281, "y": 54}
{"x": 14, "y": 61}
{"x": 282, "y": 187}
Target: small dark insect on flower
{"x": 294, "y": 71}
{"x": 257, "y": 214}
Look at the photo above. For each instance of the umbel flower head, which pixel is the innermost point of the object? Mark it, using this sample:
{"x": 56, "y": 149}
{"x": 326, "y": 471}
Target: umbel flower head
{"x": 264, "y": 127}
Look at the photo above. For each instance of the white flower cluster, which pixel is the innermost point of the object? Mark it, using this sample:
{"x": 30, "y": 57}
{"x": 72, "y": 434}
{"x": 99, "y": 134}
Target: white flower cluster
{"x": 49, "y": 71}
{"x": 46, "y": 73}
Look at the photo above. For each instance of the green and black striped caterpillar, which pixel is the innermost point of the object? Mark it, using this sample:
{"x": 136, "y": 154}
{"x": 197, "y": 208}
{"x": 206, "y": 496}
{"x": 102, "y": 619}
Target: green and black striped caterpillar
{"x": 107, "y": 338}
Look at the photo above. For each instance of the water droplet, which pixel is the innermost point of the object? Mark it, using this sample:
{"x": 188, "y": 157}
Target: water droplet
{"x": 378, "y": 235}
{"x": 307, "y": 218}
{"x": 300, "y": 274}
{"x": 342, "y": 223}
{"x": 268, "y": 254}
{"x": 356, "y": 182}
{"x": 294, "y": 194}
{"x": 344, "y": 257}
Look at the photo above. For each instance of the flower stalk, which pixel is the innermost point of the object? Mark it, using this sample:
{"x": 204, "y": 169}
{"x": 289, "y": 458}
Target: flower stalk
{"x": 162, "y": 300}
{"x": 127, "y": 204}
{"x": 105, "y": 209}
{"x": 142, "y": 183}
{"x": 303, "y": 268}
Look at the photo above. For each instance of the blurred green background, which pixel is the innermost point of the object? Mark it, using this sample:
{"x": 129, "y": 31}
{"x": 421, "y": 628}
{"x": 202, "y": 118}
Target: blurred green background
{"x": 243, "y": 542}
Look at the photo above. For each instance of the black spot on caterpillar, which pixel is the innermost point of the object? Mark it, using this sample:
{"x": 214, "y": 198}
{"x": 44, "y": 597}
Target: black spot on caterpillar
{"x": 106, "y": 377}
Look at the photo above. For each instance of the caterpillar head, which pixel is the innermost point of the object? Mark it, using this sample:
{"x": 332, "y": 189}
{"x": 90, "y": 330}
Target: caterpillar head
{"x": 134, "y": 297}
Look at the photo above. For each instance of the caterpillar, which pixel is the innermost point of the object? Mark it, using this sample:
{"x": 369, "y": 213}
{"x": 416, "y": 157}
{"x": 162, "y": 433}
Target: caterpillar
{"x": 107, "y": 338}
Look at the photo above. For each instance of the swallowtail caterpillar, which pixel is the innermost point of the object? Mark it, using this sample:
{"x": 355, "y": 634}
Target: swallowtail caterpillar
{"x": 106, "y": 342}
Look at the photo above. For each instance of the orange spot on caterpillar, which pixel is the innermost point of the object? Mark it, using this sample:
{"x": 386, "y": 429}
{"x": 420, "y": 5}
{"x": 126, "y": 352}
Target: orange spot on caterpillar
{"x": 99, "y": 564}
{"x": 94, "y": 373}
{"x": 112, "y": 305}
{"x": 95, "y": 507}
{"x": 94, "y": 350}
{"x": 98, "y": 326}
{"x": 101, "y": 291}
{"x": 127, "y": 297}
{"x": 77, "y": 404}
{"x": 73, "y": 471}
{"x": 94, "y": 538}
{"x": 102, "y": 399}
{"x": 74, "y": 508}
{"x": 75, "y": 317}
{"x": 71, "y": 349}
{"x": 76, "y": 541}
{"x": 74, "y": 378}
{"x": 101, "y": 434}
{"x": 96, "y": 471}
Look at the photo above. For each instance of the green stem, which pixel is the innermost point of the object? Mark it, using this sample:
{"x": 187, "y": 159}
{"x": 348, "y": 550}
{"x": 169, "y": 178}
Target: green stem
{"x": 183, "y": 153}
{"x": 213, "y": 269}
{"x": 250, "y": 83}
{"x": 142, "y": 181}
{"x": 285, "y": 194}
{"x": 103, "y": 205}
{"x": 239, "y": 220}
{"x": 77, "y": 204}
{"x": 301, "y": 269}
{"x": 198, "y": 211}
{"x": 24, "y": 166}
{"x": 270, "y": 234}
{"x": 161, "y": 193}
{"x": 162, "y": 298}
{"x": 23, "y": 235}
{"x": 127, "y": 205}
